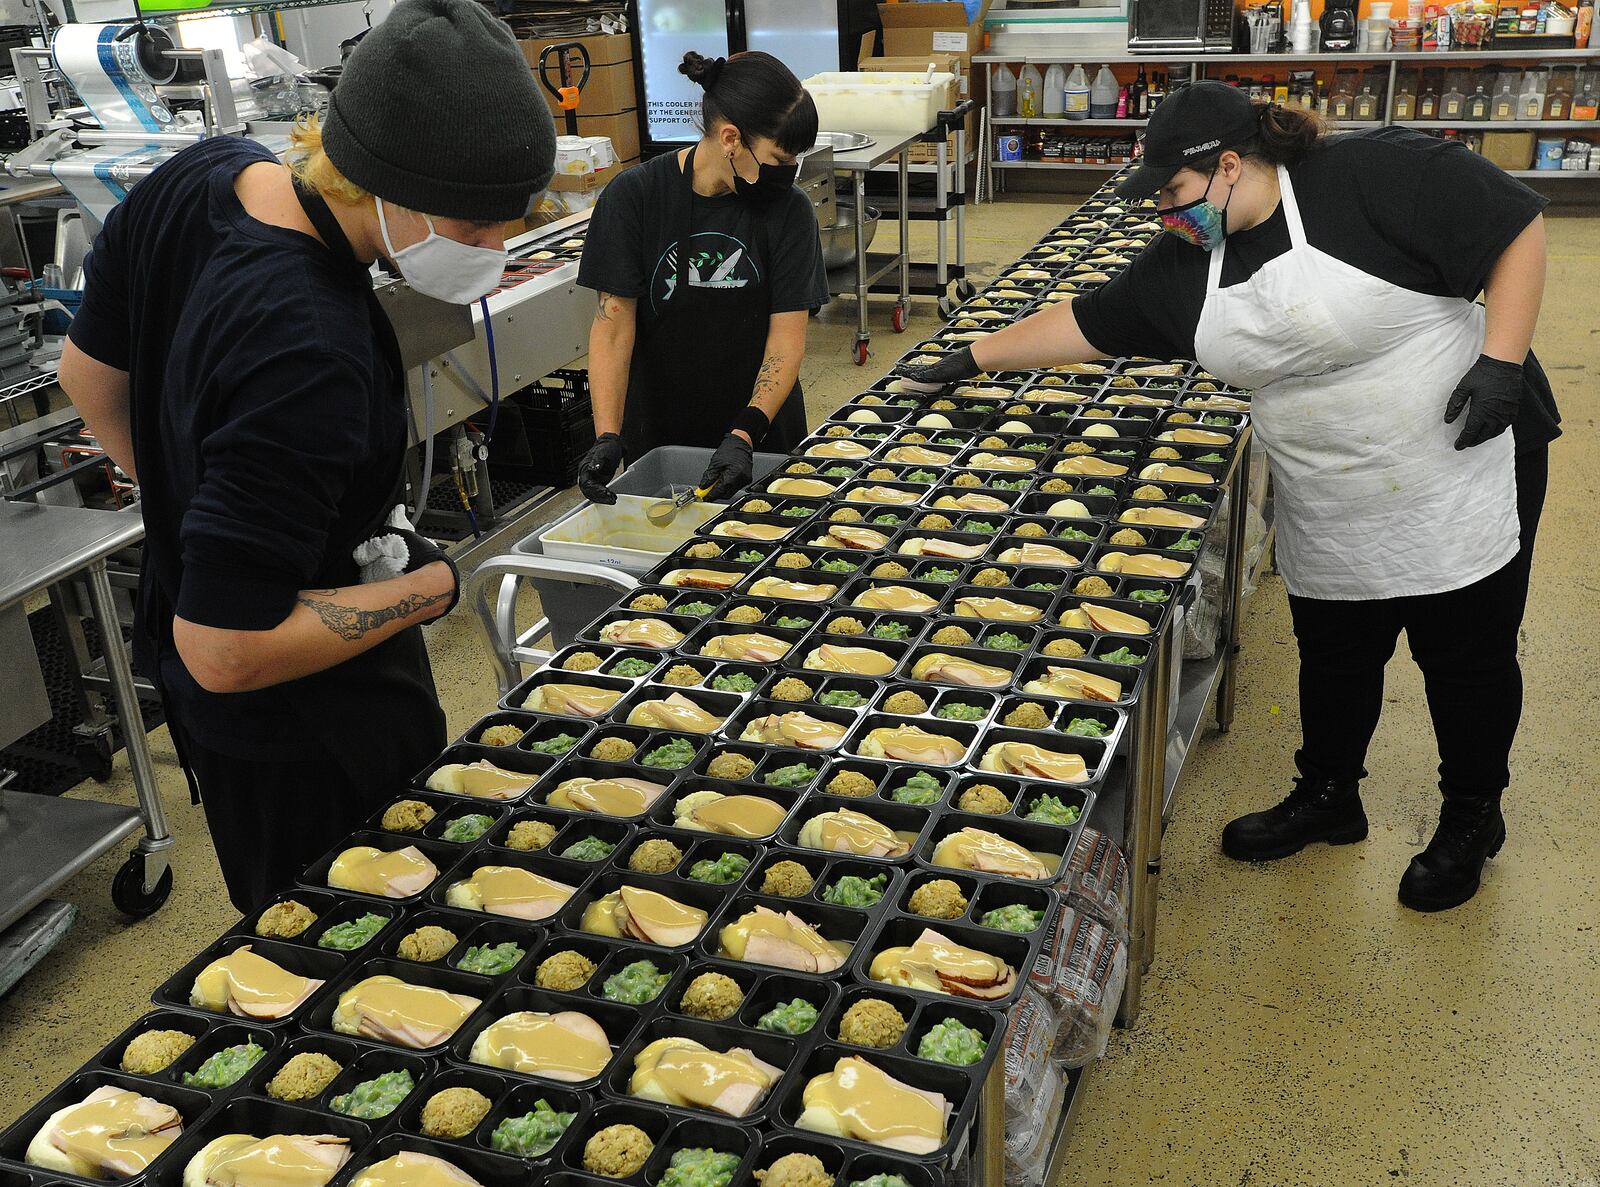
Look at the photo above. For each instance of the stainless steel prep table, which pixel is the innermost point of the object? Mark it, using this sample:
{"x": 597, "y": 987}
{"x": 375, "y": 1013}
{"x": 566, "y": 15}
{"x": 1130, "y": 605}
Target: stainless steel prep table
{"x": 885, "y": 146}
{"x": 44, "y": 840}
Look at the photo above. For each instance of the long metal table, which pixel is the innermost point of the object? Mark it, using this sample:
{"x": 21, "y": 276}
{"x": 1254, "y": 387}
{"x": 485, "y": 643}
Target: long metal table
{"x": 885, "y": 147}
{"x": 44, "y": 840}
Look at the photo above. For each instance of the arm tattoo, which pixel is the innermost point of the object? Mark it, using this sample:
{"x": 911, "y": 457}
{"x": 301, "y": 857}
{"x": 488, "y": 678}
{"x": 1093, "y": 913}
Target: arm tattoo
{"x": 767, "y": 377}
{"x": 603, "y": 313}
{"x": 351, "y": 623}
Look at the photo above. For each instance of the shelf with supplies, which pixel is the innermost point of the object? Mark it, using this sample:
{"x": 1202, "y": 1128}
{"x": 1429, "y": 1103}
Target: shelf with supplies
{"x": 1532, "y": 115}
{"x": 237, "y": 8}
{"x": 1061, "y": 121}
{"x": 1124, "y": 58}
{"x": 1101, "y": 166}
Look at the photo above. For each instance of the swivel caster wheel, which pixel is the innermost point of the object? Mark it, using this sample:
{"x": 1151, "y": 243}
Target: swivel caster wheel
{"x": 965, "y": 290}
{"x": 861, "y": 352}
{"x": 95, "y": 757}
{"x": 899, "y": 318}
{"x": 128, "y": 894}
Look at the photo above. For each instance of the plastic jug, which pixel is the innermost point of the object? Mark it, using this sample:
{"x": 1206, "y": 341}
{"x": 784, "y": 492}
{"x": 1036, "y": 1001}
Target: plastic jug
{"x": 1103, "y": 95}
{"x": 1002, "y": 91}
{"x": 1055, "y": 85}
{"x": 1030, "y": 92}
{"x": 1077, "y": 95}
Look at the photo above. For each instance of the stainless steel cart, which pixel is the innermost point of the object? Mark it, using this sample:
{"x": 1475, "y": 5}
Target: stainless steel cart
{"x": 44, "y": 840}
{"x": 867, "y": 270}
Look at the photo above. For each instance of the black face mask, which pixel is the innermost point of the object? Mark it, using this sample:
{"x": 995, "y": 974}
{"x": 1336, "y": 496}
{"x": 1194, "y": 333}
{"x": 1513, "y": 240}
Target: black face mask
{"x": 772, "y": 181}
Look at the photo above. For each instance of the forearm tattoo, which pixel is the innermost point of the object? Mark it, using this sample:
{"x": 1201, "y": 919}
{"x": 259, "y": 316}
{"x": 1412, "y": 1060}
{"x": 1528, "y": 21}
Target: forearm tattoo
{"x": 767, "y": 378}
{"x": 352, "y": 623}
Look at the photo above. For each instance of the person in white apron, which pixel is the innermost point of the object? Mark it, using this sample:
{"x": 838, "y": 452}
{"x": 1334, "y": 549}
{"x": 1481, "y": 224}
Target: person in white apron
{"x": 1382, "y": 393}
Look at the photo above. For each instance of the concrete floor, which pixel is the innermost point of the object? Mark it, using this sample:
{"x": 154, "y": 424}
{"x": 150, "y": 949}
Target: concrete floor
{"x": 1299, "y": 1026}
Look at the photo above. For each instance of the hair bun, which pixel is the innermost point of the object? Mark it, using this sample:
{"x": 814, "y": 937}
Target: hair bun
{"x": 702, "y": 70}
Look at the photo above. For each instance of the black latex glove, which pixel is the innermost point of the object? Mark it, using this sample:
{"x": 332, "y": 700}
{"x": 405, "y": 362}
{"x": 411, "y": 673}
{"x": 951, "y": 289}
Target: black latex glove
{"x": 732, "y": 468}
{"x": 1492, "y": 395}
{"x": 598, "y": 467}
{"x": 955, "y": 367}
{"x": 422, "y": 551}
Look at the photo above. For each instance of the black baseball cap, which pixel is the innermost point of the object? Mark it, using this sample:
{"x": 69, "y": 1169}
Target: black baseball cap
{"x": 1192, "y": 123}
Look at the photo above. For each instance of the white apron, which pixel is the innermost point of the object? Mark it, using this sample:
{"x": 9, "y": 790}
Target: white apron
{"x": 1351, "y": 376}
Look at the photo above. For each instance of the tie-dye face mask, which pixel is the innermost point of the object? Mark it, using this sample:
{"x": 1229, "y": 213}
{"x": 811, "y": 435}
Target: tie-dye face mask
{"x": 1201, "y": 222}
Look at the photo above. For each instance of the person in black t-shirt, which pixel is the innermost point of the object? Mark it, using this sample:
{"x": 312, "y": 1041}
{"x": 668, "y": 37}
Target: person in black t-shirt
{"x": 231, "y": 355}
{"x": 1336, "y": 278}
{"x": 708, "y": 267}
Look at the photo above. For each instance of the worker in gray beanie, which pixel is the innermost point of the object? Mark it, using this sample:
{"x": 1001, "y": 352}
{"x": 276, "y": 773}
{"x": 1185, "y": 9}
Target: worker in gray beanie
{"x": 437, "y": 111}
{"x": 231, "y": 355}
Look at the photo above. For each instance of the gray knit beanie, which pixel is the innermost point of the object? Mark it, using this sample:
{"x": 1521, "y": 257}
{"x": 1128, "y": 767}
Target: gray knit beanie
{"x": 437, "y": 111}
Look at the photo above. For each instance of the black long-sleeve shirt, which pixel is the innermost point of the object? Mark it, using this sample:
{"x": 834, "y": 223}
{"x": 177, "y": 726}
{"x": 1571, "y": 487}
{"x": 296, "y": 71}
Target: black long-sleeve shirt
{"x": 269, "y": 430}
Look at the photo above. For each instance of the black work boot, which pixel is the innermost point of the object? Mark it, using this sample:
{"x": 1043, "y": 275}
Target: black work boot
{"x": 1446, "y": 873}
{"x": 1316, "y": 810}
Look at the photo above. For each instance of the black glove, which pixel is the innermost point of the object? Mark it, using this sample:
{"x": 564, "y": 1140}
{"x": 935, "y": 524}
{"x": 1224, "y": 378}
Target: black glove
{"x": 955, "y": 367}
{"x": 422, "y": 551}
{"x": 731, "y": 469}
{"x": 597, "y": 468}
{"x": 1492, "y": 394}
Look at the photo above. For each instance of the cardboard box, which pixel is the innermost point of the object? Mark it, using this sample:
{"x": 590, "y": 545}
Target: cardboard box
{"x": 610, "y": 89}
{"x": 1509, "y": 150}
{"x": 919, "y": 27}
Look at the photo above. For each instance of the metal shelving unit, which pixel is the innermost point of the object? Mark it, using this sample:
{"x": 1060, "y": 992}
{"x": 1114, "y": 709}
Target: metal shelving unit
{"x": 1395, "y": 62}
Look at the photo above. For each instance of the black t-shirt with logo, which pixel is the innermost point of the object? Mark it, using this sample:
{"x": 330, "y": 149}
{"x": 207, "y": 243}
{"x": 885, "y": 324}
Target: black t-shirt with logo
{"x": 633, "y": 234}
{"x": 1420, "y": 212}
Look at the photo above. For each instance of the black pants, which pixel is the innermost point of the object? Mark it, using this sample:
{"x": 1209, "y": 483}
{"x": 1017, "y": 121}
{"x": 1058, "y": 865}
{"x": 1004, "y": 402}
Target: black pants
{"x": 269, "y": 820}
{"x": 1465, "y": 642}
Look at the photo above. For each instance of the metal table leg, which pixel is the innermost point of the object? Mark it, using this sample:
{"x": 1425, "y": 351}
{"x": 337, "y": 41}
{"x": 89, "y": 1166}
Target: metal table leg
{"x": 859, "y": 189}
{"x": 1145, "y": 778}
{"x": 905, "y": 238}
{"x": 942, "y": 190}
{"x": 989, "y": 1156}
{"x": 157, "y": 840}
{"x": 1238, "y": 520}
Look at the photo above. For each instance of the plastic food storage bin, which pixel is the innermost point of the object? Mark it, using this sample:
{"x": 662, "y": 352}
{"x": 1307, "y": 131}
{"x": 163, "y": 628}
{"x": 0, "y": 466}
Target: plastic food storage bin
{"x": 859, "y": 101}
{"x": 619, "y": 537}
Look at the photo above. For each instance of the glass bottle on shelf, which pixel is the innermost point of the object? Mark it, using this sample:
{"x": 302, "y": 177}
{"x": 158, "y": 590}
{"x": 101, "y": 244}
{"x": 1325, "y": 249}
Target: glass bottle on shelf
{"x": 1428, "y": 101}
{"x": 1535, "y": 84}
{"x": 1324, "y": 99}
{"x": 1366, "y": 104}
{"x": 1504, "y": 106}
{"x": 1453, "y": 106}
{"x": 1478, "y": 104}
{"x": 1405, "y": 99}
{"x": 1558, "y": 103}
{"x": 1343, "y": 102}
{"x": 1586, "y": 106}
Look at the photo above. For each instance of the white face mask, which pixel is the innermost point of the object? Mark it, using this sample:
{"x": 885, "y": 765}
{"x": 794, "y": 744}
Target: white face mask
{"x": 442, "y": 268}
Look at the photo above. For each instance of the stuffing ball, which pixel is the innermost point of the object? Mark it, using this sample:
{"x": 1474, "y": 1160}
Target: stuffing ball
{"x": 528, "y": 835}
{"x": 1030, "y": 715}
{"x": 939, "y": 899}
{"x": 406, "y": 816}
{"x": 892, "y": 570}
{"x": 792, "y": 560}
{"x": 585, "y": 661}
{"x": 984, "y": 798}
{"x": 791, "y": 689}
{"x": 704, "y": 551}
{"x": 655, "y": 856}
{"x": 712, "y": 997}
{"x": 935, "y": 522}
{"x": 1064, "y": 649}
{"x": 304, "y": 1076}
{"x": 731, "y": 765}
{"x": 427, "y": 944}
{"x": 288, "y": 919}
{"x": 851, "y": 783}
{"x": 454, "y": 1113}
{"x": 613, "y": 749}
{"x": 1128, "y": 536}
{"x": 952, "y": 636}
{"x": 872, "y": 1022}
{"x": 564, "y": 971}
{"x": 155, "y": 1050}
{"x": 845, "y": 625}
{"x": 906, "y": 703}
{"x": 617, "y": 1151}
{"x": 991, "y": 577}
{"x": 789, "y": 879}
{"x": 1030, "y": 530}
{"x": 682, "y": 675}
{"x": 1148, "y": 493}
{"x": 1093, "y": 587}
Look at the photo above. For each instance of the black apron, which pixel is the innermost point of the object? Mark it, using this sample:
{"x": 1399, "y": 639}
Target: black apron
{"x": 694, "y": 367}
